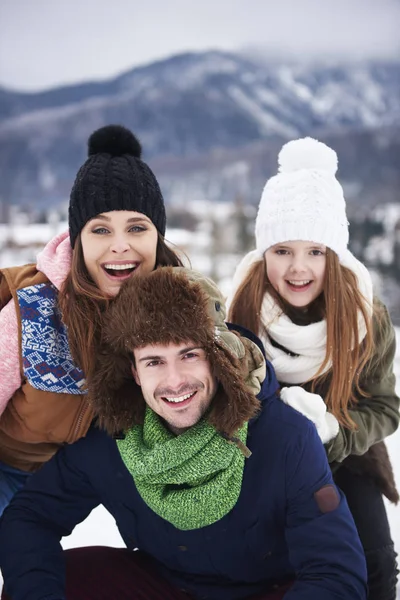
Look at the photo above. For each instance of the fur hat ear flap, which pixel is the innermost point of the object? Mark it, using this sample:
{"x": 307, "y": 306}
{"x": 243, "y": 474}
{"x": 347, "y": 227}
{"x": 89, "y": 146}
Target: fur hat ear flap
{"x": 114, "y": 395}
{"x": 172, "y": 306}
{"x": 235, "y": 402}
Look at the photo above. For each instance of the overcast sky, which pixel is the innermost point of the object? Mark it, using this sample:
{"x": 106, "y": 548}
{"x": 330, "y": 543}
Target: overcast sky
{"x": 44, "y": 43}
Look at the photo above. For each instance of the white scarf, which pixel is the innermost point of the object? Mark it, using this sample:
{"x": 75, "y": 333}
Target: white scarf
{"x": 308, "y": 342}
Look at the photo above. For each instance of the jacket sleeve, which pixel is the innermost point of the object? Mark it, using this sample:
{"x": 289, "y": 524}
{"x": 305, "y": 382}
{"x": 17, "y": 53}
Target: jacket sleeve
{"x": 324, "y": 547}
{"x": 10, "y": 375}
{"x": 55, "y": 499}
{"x": 376, "y": 415}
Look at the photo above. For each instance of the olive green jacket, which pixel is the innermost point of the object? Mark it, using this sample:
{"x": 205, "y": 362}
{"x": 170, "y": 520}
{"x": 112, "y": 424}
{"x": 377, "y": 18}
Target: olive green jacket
{"x": 377, "y": 415}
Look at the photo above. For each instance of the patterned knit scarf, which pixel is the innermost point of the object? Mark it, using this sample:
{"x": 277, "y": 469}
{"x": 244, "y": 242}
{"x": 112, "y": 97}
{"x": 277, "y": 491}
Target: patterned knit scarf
{"x": 191, "y": 480}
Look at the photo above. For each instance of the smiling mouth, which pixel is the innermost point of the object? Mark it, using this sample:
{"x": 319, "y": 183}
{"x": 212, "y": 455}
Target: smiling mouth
{"x": 179, "y": 400}
{"x": 120, "y": 271}
{"x": 299, "y": 285}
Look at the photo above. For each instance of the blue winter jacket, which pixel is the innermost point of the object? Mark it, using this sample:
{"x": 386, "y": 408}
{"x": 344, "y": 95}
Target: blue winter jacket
{"x": 275, "y": 533}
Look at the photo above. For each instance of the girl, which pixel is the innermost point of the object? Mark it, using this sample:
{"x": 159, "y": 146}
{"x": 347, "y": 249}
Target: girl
{"x": 116, "y": 229}
{"x": 311, "y": 302}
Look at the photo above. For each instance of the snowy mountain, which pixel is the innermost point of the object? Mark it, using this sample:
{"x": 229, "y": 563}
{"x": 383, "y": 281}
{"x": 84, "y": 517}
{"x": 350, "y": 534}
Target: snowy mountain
{"x": 186, "y": 107}
{"x": 369, "y": 170}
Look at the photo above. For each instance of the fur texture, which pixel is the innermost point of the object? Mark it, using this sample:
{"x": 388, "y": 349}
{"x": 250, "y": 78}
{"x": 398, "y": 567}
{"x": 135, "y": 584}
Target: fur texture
{"x": 170, "y": 306}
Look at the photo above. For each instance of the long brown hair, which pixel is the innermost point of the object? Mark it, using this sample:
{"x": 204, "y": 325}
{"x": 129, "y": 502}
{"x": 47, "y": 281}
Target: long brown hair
{"x": 82, "y": 303}
{"x": 340, "y": 304}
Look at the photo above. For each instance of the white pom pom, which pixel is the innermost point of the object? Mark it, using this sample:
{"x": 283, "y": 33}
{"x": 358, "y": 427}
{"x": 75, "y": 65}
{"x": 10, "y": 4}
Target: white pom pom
{"x": 307, "y": 153}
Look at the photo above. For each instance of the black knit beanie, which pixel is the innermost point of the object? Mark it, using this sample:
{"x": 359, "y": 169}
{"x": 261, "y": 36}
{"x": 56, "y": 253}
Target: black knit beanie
{"x": 114, "y": 178}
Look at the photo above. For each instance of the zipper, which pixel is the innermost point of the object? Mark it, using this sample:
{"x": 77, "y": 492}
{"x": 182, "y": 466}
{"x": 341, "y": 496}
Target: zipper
{"x": 79, "y": 420}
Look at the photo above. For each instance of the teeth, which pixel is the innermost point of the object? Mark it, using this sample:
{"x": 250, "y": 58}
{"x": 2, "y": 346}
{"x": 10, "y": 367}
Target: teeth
{"x": 300, "y": 283}
{"x": 120, "y": 267}
{"x": 180, "y": 399}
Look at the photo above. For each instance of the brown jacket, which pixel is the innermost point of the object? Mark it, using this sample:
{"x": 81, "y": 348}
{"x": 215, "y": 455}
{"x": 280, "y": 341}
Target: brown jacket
{"x": 35, "y": 422}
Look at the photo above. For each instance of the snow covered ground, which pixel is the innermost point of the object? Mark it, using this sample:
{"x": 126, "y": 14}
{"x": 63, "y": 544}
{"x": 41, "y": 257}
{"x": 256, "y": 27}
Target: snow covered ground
{"x": 99, "y": 528}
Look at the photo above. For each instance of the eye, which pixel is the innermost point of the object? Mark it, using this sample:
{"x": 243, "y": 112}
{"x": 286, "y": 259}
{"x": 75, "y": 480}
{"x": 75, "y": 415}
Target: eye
{"x": 190, "y": 355}
{"x": 317, "y": 252}
{"x": 281, "y": 252}
{"x": 137, "y": 229}
{"x": 100, "y": 230}
{"x": 153, "y": 363}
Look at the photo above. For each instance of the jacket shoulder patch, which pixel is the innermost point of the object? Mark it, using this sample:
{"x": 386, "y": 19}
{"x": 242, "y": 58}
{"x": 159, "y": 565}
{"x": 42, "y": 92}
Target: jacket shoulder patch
{"x": 327, "y": 498}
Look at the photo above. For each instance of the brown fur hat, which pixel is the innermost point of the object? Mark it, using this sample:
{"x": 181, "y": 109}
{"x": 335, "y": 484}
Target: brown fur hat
{"x": 172, "y": 305}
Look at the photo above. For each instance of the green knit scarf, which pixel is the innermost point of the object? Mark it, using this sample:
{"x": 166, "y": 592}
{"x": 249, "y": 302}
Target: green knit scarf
{"x": 191, "y": 480}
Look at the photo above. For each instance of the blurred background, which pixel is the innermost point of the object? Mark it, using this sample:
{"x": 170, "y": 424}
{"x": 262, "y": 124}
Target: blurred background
{"x": 212, "y": 89}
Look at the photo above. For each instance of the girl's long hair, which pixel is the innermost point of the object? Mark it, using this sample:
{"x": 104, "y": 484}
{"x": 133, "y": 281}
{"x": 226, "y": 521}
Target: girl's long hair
{"x": 340, "y": 303}
{"x": 82, "y": 304}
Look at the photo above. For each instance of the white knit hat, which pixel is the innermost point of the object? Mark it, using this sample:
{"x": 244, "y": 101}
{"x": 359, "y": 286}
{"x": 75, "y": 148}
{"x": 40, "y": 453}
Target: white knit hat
{"x": 304, "y": 201}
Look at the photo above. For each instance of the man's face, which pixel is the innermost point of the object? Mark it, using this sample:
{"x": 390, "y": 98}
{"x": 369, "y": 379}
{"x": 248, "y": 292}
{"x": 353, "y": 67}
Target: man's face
{"x": 176, "y": 381}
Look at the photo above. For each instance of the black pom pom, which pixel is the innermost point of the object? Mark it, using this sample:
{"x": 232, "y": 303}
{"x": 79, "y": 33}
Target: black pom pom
{"x": 115, "y": 140}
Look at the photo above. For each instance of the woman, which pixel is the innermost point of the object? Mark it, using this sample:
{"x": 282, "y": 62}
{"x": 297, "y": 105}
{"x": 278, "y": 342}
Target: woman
{"x": 116, "y": 229}
{"x": 311, "y": 302}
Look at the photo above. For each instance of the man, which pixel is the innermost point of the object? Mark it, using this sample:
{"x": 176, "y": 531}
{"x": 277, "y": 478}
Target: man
{"x": 225, "y": 491}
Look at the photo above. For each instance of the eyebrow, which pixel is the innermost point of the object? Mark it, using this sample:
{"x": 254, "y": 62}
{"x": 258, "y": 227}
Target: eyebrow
{"x": 313, "y": 247}
{"x": 131, "y": 220}
{"x": 181, "y": 352}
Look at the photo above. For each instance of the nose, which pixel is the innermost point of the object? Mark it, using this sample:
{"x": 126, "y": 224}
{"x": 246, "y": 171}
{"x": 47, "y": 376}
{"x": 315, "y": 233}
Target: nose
{"x": 297, "y": 264}
{"x": 174, "y": 377}
{"x": 119, "y": 244}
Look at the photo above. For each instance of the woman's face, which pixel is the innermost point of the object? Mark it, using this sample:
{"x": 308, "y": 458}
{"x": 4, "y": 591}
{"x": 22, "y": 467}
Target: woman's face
{"x": 116, "y": 245}
{"x": 296, "y": 271}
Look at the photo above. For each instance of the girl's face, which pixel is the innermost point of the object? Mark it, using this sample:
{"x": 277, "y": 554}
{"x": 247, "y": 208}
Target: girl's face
{"x": 117, "y": 244}
{"x": 296, "y": 271}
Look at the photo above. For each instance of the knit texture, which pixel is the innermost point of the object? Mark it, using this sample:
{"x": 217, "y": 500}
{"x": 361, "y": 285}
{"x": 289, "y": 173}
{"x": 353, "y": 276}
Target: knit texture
{"x": 114, "y": 178}
{"x": 173, "y": 305}
{"x": 46, "y": 358}
{"x": 306, "y": 343}
{"x": 191, "y": 480}
{"x": 304, "y": 201}
{"x": 54, "y": 261}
